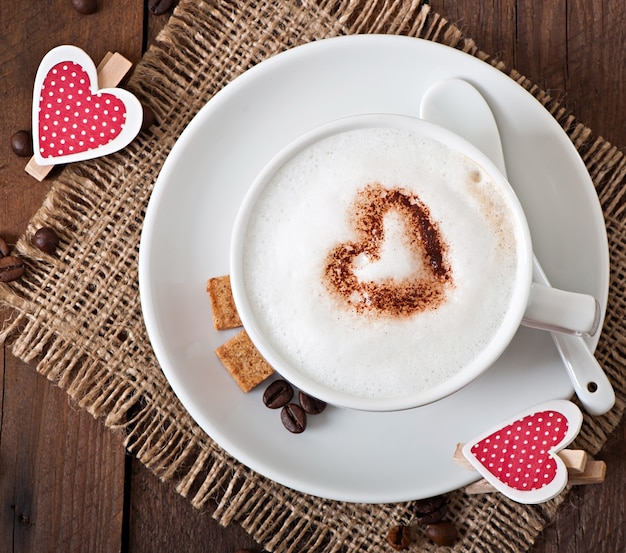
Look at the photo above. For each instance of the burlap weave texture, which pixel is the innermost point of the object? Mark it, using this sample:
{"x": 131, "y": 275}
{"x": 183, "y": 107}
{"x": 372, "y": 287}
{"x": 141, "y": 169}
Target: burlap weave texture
{"x": 78, "y": 312}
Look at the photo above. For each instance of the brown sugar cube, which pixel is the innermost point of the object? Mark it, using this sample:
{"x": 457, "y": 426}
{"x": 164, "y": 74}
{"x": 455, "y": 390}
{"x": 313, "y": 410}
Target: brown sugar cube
{"x": 243, "y": 361}
{"x": 225, "y": 314}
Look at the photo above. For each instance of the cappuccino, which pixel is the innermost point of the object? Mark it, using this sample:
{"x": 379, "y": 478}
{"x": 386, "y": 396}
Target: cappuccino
{"x": 379, "y": 263}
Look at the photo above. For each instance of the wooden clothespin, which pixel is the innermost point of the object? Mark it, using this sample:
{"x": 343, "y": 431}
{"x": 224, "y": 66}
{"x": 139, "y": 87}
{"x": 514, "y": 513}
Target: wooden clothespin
{"x": 110, "y": 73}
{"x": 525, "y": 457}
{"x": 581, "y": 468}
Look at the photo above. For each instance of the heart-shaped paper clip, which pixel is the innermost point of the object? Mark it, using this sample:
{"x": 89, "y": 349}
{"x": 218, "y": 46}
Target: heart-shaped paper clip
{"x": 519, "y": 457}
{"x": 73, "y": 120}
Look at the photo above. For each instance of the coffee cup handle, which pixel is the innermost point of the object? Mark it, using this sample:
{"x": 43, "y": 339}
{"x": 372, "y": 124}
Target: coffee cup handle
{"x": 561, "y": 311}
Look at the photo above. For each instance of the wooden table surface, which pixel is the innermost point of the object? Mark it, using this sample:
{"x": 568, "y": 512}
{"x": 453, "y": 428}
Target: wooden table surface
{"x": 66, "y": 483}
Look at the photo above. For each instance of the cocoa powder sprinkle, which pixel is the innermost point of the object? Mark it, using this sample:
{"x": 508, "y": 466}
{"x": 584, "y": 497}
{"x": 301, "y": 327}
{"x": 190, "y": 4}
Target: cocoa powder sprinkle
{"x": 390, "y": 297}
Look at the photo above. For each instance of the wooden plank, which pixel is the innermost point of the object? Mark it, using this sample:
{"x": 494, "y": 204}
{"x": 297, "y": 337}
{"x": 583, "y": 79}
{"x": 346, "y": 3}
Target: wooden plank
{"x": 162, "y": 520}
{"x": 541, "y": 52}
{"x": 475, "y": 18}
{"x": 596, "y": 68}
{"x": 62, "y": 479}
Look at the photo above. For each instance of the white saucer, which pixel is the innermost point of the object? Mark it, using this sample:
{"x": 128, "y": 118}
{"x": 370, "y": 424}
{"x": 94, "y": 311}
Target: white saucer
{"x": 344, "y": 454}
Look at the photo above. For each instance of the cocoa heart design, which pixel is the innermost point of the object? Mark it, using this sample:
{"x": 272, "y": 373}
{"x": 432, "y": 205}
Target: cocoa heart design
{"x": 72, "y": 119}
{"x": 392, "y": 297}
{"x": 519, "y": 458}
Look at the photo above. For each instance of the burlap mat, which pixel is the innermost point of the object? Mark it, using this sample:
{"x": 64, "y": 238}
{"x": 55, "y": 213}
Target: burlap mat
{"x": 78, "y": 312}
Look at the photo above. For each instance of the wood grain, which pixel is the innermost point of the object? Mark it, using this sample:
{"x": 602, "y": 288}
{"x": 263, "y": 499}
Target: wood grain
{"x": 596, "y": 66}
{"x": 178, "y": 522}
{"x": 65, "y": 481}
{"x": 473, "y": 19}
{"x": 61, "y": 475}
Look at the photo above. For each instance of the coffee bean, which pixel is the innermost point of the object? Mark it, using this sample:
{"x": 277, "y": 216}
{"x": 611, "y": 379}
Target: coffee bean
{"x": 399, "y": 537}
{"x": 310, "y": 404}
{"x": 278, "y": 394}
{"x": 428, "y": 505}
{"x": 11, "y": 268}
{"x": 149, "y": 118}
{"x": 46, "y": 239}
{"x": 4, "y": 248}
{"x": 442, "y": 533}
{"x": 432, "y": 517}
{"x": 22, "y": 143}
{"x": 85, "y": 6}
{"x": 293, "y": 418}
{"x": 159, "y": 7}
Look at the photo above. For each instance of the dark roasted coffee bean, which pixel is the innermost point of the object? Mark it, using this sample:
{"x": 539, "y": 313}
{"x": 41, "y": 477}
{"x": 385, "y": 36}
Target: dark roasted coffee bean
{"x": 11, "y": 268}
{"x": 159, "y": 7}
{"x": 46, "y": 239}
{"x": 22, "y": 143}
{"x": 310, "y": 404}
{"x": 149, "y": 118}
{"x": 277, "y": 394}
{"x": 293, "y": 418}
{"x": 432, "y": 517}
{"x": 4, "y": 248}
{"x": 85, "y": 6}
{"x": 428, "y": 505}
{"x": 399, "y": 537}
{"x": 442, "y": 533}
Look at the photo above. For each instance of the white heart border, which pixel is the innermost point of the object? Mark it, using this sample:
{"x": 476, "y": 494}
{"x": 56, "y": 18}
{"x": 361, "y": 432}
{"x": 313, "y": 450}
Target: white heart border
{"x": 134, "y": 112}
{"x": 575, "y": 419}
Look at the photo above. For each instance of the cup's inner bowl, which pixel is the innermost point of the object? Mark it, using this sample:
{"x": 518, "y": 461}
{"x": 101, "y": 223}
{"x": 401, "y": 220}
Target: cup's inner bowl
{"x": 380, "y": 262}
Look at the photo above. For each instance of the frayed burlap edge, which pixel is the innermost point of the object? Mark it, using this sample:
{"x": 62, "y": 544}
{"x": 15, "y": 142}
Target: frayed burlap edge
{"x": 77, "y": 313}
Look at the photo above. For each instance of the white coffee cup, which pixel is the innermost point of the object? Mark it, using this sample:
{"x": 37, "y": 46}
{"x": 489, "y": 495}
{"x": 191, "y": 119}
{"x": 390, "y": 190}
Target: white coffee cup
{"x": 322, "y": 311}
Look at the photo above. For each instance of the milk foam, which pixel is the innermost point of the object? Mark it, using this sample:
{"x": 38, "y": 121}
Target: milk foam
{"x": 303, "y": 214}
{"x": 396, "y": 258}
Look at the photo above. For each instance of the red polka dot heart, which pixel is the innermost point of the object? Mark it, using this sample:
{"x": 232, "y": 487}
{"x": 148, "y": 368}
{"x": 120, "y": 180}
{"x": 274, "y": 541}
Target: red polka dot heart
{"x": 72, "y": 119}
{"x": 519, "y": 458}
